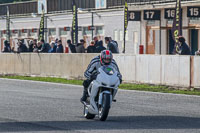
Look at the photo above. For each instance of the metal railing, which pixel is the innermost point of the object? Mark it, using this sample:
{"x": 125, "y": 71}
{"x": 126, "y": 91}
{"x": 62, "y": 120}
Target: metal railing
{"x": 19, "y": 8}
{"x": 52, "y": 6}
{"x": 157, "y": 1}
{"x": 59, "y": 5}
{"x": 111, "y": 3}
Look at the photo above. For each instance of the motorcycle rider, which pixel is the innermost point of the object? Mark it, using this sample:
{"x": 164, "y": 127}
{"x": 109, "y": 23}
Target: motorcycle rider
{"x": 105, "y": 58}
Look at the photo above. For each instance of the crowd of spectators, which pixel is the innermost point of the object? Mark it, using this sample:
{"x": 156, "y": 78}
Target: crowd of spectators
{"x": 32, "y": 46}
{"x": 95, "y": 46}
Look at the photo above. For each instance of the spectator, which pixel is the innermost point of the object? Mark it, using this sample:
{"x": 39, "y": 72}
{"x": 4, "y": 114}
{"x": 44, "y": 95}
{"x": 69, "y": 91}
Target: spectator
{"x": 197, "y": 52}
{"x": 80, "y": 47}
{"x": 36, "y": 47}
{"x": 21, "y": 47}
{"x": 34, "y": 43}
{"x": 184, "y": 48}
{"x": 52, "y": 49}
{"x": 111, "y": 45}
{"x": 59, "y": 47}
{"x": 6, "y": 48}
{"x": 56, "y": 42}
{"x": 44, "y": 47}
{"x": 71, "y": 46}
{"x": 96, "y": 41}
{"x": 91, "y": 48}
{"x": 30, "y": 46}
{"x": 39, "y": 45}
{"x": 84, "y": 44}
{"x": 100, "y": 47}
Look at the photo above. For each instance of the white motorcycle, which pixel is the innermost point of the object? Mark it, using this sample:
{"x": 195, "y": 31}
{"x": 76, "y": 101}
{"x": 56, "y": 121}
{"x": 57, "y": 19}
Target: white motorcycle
{"x": 101, "y": 93}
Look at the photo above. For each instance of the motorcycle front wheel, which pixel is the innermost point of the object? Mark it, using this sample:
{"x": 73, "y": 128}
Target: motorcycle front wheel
{"x": 105, "y": 107}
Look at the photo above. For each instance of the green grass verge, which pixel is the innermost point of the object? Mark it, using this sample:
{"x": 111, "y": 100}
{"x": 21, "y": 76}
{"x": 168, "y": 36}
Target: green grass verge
{"x": 140, "y": 87}
{"x": 157, "y": 88}
{"x": 46, "y": 79}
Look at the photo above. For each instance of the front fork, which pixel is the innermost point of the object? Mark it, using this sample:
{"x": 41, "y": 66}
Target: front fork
{"x": 101, "y": 97}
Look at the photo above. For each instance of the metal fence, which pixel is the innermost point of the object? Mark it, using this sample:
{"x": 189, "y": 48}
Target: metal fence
{"x": 112, "y": 3}
{"x": 19, "y": 8}
{"x": 61, "y": 5}
{"x": 52, "y": 6}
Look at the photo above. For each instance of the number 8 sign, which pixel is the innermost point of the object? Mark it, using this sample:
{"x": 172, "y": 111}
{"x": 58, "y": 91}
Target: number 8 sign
{"x": 134, "y": 15}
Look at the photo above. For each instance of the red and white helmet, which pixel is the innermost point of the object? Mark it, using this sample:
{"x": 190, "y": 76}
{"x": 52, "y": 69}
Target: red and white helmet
{"x": 106, "y": 57}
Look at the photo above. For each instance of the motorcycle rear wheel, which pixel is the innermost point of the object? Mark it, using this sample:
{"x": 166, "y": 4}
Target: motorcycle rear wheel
{"x": 104, "y": 109}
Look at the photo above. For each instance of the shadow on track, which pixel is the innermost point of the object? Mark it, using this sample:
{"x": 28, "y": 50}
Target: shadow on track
{"x": 113, "y": 123}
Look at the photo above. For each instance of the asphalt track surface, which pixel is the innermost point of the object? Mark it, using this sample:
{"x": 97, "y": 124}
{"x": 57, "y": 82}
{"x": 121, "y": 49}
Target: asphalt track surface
{"x": 28, "y": 106}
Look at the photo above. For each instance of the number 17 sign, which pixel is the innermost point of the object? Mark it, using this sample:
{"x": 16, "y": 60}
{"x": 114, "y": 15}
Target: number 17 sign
{"x": 151, "y": 14}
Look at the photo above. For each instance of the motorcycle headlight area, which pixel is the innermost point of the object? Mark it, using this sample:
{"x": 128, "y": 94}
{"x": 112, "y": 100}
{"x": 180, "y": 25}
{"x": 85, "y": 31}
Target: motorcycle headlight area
{"x": 107, "y": 85}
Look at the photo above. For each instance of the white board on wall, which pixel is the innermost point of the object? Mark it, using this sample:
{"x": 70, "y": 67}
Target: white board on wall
{"x": 40, "y": 3}
{"x": 100, "y": 4}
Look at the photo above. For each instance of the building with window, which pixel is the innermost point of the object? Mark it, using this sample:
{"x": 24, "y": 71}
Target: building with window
{"x": 152, "y": 29}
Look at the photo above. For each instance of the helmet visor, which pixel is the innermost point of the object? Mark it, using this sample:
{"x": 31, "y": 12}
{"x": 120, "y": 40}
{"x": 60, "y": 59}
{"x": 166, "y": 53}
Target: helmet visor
{"x": 107, "y": 61}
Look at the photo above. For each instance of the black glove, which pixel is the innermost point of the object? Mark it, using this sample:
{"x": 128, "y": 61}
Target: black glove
{"x": 93, "y": 76}
{"x": 120, "y": 80}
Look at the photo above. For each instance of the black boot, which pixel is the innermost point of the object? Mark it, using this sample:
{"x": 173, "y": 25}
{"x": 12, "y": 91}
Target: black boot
{"x": 84, "y": 97}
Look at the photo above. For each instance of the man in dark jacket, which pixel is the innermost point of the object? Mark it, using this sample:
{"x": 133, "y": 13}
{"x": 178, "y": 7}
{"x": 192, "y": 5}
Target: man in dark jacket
{"x": 96, "y": 41}
{"x": 53, "y": 48}
{"x": 100, "y": 47}
{"x": 30, "y": 46}
{"x": 80, "y": 47}
{"x": 59, "y": 47}
{"x": 45, "y": 47}
{"x": 91, "y": 48}
{"x": 71, "y": 46}
{"x": 184, "y": 48}
{"x": 21, "y": 47}
{"x": 6, "y": 47}
{"x": 34, "y": 43}
{"x": 111, "y": 45}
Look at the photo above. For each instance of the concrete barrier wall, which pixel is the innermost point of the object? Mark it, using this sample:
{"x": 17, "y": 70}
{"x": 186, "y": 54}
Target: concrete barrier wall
{"x": 176, "y": 70}
{"x": 196, "y": 71}
{"x": 153, "y": 69}
{"x": 127, "y": 66}
{"x": 148, "y": 69}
